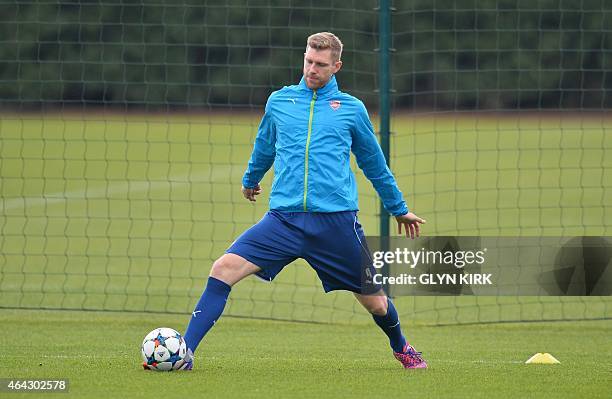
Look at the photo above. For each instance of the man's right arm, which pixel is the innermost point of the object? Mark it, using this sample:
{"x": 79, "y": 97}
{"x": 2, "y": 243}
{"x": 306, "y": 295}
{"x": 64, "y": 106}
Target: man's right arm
{"x": 263, "y": 153}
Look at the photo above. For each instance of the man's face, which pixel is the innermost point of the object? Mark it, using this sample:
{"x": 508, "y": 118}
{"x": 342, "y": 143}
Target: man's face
{"x": 319, "y": 67}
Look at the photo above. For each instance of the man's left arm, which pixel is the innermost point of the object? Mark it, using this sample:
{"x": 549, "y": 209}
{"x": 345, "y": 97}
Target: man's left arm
{"x": 371, "y": 160}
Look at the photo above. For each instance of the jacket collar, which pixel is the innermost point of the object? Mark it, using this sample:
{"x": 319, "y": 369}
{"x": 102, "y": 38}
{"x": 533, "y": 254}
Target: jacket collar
{"x": 330, "y": 87}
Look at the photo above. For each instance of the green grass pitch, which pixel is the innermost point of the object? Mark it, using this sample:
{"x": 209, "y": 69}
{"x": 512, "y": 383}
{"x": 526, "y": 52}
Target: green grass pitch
{"x": 127, "y": 212}
{"x": 99, "y": 353}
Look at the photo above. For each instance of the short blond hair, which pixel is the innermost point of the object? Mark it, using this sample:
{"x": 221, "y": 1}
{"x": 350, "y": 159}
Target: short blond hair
{"x": 324, "y": 41}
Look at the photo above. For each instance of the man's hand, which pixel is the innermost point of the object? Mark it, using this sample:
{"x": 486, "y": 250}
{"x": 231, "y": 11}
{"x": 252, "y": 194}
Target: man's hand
{"x": 250, "y": 193}
{"x": 411, "y": 222}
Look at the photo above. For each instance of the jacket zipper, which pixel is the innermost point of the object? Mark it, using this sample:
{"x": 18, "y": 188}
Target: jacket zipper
{"x": 312, "y": 103}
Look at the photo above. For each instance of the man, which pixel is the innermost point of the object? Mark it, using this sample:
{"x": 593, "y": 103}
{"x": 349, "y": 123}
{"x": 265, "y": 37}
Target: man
{"x": 308, "y": 131}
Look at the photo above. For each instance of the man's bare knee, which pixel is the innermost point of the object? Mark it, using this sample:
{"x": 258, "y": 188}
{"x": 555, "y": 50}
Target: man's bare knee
{"x": 231, "y": 268}
{"x": 379, "y": 309}
{"x": 375, "y": 304}
{"x": 218, "y": 269}
{"x": 225, "y": 269}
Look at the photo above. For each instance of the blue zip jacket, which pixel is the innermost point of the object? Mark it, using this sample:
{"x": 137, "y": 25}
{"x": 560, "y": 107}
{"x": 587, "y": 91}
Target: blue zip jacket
{"x": 308, "y": 135}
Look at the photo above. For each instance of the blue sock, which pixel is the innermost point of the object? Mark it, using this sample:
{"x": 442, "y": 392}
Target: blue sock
{"x": 207, "y": 311}
{"x": 390, "y": 324}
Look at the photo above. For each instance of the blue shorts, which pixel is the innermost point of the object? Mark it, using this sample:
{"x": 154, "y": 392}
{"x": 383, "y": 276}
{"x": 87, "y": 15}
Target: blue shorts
{"x": 333, "y": 244}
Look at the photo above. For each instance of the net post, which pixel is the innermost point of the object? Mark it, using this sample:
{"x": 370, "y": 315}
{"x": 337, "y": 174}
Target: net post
{"x": 384, "y": 76}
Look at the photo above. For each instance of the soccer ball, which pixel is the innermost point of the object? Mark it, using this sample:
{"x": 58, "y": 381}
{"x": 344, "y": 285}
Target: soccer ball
{"x": 163, "y": 349}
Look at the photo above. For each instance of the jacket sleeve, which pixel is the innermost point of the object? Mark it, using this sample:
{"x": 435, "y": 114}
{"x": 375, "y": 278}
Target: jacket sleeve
{"x": 263, "y": 153}
{"x": 371, "y": 160}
